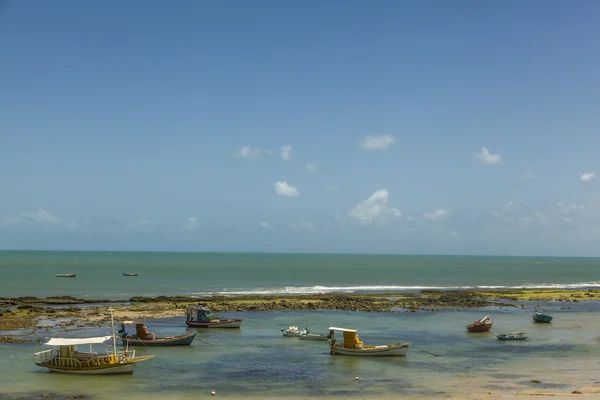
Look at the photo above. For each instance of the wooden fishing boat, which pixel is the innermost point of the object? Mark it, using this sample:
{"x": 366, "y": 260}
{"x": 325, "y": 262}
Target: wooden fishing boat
{"x": 315, "y": 337}
{"x": 293, "y": 331}
{"x": 200, "y": 317}
{"x": 542, "y": 317}
{"x": 130, "y": 274}
{"x": 65, "y": 357}
{"x": 65, "y": 275}
{"x": 482, "y": 325}
{"x": 143, "y": 337}
{"x": 512, "y": 336}
{"x": 353, "y": 346}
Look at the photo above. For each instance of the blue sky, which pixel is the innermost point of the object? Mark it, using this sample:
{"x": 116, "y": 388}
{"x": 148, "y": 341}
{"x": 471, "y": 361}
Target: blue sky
{"x": 161, "y": 126}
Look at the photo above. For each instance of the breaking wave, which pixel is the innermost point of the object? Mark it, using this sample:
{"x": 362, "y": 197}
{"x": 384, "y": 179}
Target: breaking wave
{"x": 299, "y": 290}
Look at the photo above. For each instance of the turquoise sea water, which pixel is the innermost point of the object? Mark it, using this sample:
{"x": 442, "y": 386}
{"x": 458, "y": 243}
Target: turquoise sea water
{"x": 30, "y": 273}
{"x": 257, "y": 361}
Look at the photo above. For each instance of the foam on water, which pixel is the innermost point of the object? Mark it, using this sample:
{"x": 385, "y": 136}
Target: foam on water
{"x": 319, "y": 289}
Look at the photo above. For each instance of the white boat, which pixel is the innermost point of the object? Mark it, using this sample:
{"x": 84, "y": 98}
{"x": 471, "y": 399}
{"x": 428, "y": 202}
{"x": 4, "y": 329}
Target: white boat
{"x": 512, "y": 336}
{"x": 353, "y": 346}
{"x": 316, "y": 337}
{"x": 293, "y": 331}
{"x": 65, "y": 357}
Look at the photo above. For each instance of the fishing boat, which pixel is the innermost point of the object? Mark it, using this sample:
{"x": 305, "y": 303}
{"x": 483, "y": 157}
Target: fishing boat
{"x": 130, "y": 274}
{"x": 200, "y": 317}
{"x": 481, "y": 325}
{"x": 65, "y": 356}
{"x": 353, "y": 346}
{"x": 512, "y": 336}
{"x": 65, "y": 275}
{"x": 146, "y": 338}
{"x": 293, "y": 331}
{"x": 541, "y": 317}
{"x": 315, "y": 337}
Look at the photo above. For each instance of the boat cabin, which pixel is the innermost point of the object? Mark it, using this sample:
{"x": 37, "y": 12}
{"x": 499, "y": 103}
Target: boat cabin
{"x": 351, "y": 340}
{"x": 141, "y": 331}
{"x": 200, "y": 314}
{"x": 65, "y": 354}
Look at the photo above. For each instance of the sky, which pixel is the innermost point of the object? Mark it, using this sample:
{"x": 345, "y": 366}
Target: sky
{"x": 428, "y": 127}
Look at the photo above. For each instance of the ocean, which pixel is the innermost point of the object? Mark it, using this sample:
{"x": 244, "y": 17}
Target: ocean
{"x": 257, "y": 362}
{"x": 99, "y": 274}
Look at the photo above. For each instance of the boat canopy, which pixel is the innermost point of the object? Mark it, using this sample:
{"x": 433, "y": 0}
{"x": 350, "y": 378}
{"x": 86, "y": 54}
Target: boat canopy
{"x": 73, "y": 342}
{"x": 343, "y": 329}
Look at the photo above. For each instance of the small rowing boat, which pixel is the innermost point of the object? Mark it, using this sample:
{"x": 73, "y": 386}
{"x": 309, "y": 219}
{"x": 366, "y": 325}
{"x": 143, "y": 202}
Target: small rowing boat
{"x": 482, "y": 325}
{"x": 542, "y": 317}
{"x": 512, "y": 336}
{"x": 315, "y": 337}
{"x": 144, "y": 337}
{"x": 353, "y": 346}
{"x": 293, "y": 331}
{"x": 65, "y": 275}
{"x": 130, "y": 274}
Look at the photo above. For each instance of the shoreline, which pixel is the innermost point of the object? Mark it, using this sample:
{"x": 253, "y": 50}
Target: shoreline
{"x": 35, "y": 314}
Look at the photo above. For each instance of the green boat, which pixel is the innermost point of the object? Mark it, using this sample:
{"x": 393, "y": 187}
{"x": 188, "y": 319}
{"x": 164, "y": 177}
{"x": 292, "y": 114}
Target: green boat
{"x": 541, "y": 317}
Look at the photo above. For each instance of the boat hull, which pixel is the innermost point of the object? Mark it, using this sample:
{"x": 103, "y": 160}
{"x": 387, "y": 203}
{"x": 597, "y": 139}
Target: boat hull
{"x": 65, "y": 275}
{"x": 314, "y": 338}
{"x": 505, "y": 339}
{"x": 183, "y": 340}
{"x": 543, "y": 319}
{"x": 375, "y": 351}
{"x": 125, "y": 368}
{"x": 479, "y": 327}
{"x": 229, "y": 323}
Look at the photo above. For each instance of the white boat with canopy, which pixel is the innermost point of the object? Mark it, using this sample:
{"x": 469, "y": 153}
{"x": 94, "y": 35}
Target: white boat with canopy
{"x": 353, "y": 346}
{"x": 66, "y": 357}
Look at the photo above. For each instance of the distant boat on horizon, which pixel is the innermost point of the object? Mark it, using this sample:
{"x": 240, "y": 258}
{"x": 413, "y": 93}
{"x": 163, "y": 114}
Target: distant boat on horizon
{"x": 130, "y": 274}
{"x": 65, "y": 275}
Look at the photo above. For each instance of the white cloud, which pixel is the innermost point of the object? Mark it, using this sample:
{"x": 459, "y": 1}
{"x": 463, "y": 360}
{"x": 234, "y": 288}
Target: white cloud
{"x": 248, "y": 152}
{"x": 285, "y": 190}
{"x": 486, "y": 157}
{"x": 266, "y": 225}
{"x": 333, "y": 188}
{"x": 190, "y": 224}
{"x": 312, "y": 167}
{"x": 374, "y": 209}
{"x": 380, "y": 142}
{"x": 39, "y": 216}
{"x": 588, "y": 176}
{"x": 286, "y": 152}
{"x": 302, "y": 225}
{"x": 440, "y": 214}
{"x": 528, "y": 176}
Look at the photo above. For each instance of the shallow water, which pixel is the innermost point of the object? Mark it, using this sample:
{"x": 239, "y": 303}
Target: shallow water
{"x": 257, "y": 360}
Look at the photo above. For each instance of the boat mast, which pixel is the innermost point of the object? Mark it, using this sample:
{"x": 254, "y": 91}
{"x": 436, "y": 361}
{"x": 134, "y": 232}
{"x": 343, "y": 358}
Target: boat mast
{"x": 112, "y": 321}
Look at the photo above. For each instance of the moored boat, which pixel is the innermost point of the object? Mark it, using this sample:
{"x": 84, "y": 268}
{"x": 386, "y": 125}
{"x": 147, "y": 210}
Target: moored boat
{"x": 65, "y": 357}
{"x": 130, "y": 274}
{"x": 200, "y": 317}
{"x": 353, "y": 346}
{"x": 65, "y": 275}
{"x": 482, "y": 325}
{"x": 512, "y": 336}
{"x": 146, "y": 338}
{"x": 541, "y": 317}
{"x": 316, "y": 337}
{"x": 293, "y": 331}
